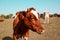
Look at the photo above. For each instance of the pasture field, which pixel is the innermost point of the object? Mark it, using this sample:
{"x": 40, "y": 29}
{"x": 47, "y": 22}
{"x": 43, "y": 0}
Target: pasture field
{"x": 52, "y": 30}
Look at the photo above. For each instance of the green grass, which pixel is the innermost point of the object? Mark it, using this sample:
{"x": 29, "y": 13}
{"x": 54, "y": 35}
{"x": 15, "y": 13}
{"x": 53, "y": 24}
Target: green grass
{"x": 52, "y": 30}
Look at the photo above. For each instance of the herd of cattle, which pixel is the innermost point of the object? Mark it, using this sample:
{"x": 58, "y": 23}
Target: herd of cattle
{"x": 28, "y": 20}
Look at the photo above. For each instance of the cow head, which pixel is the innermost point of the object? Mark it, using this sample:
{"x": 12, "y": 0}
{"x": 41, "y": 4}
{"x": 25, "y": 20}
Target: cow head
{"x": 32, "y": 21}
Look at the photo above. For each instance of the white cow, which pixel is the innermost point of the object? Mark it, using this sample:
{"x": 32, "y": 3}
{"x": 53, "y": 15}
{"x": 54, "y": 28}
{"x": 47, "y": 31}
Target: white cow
{"x": 46, "y": 13}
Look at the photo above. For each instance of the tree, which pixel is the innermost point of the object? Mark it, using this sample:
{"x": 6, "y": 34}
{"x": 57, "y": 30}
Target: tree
{"x": 2, "y": 16}
{"x": 55, "y": 14}
{"x": 10, "y": 15}
{"x": 7, "y": 16}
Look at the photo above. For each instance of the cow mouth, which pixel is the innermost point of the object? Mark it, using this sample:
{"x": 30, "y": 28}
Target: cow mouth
{"x": 41, "y": 31}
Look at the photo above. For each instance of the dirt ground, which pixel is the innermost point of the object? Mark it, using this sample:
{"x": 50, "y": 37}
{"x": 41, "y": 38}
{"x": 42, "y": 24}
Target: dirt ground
{"x": 52, "y": 30}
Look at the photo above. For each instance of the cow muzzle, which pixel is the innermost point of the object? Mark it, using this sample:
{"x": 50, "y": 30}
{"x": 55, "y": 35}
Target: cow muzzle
{"x": 41, "y": 31}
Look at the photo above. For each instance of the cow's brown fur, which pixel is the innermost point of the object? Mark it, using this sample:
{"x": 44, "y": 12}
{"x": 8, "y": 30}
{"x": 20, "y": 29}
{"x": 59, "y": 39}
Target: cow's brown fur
{"x": 25, "y": 21}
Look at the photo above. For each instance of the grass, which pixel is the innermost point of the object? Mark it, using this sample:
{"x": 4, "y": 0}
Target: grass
{"x": 52, "y": 30}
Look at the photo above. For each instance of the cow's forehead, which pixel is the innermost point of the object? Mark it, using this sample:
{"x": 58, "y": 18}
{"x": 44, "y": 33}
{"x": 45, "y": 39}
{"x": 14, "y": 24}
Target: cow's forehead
{"x": 35, "y": 13}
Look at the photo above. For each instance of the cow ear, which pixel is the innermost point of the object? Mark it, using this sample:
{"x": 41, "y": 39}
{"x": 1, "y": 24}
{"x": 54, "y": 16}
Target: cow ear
{"x": 21, "y": 16}
{"x": 28, "y": 14}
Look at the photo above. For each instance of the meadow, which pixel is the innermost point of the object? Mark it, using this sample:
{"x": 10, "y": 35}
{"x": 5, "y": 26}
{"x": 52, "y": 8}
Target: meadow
{"x": 52, "y": 30}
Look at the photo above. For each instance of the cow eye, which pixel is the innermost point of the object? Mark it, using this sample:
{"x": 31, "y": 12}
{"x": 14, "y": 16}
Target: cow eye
{"x": 31, "y": 16}
{"x": 32, "y": 19}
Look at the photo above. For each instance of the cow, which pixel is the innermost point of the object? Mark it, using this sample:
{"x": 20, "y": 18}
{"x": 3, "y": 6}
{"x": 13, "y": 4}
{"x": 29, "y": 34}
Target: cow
{"x": 1, "y": 20}
{"x": 58, "y": 15}
{"x": 46, "y": 17}
{"x": 25, "y": 21}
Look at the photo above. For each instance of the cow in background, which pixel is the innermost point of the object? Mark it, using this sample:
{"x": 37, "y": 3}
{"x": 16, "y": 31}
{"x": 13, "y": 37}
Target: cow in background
{"x": 46, "y": 17}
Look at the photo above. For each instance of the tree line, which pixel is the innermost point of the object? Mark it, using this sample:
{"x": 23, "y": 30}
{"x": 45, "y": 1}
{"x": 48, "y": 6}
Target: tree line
{"x": 6, "y": 16}
{"x": 11, "y": 15}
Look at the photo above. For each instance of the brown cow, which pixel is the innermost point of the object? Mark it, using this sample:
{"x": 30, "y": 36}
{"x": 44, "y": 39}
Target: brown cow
{"x": 24, "y": 21}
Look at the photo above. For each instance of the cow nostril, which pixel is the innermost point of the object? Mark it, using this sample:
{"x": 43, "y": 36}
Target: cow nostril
{"x": 43, "y": 31}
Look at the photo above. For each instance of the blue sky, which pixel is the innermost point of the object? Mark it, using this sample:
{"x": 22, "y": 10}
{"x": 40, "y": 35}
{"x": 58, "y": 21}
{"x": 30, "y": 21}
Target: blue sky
{"x": 12, "y": 6}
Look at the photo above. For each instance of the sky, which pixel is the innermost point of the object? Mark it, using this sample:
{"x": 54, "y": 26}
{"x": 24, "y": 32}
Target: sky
{"x": 13, "y": 6}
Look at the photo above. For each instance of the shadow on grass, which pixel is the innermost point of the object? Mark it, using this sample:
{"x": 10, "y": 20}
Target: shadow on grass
{"x": 7, "y": 38}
